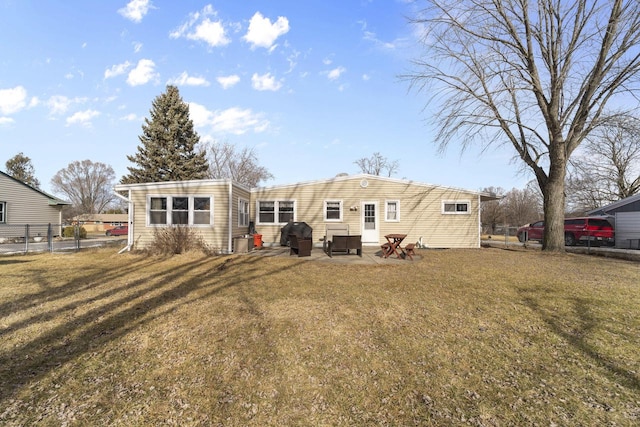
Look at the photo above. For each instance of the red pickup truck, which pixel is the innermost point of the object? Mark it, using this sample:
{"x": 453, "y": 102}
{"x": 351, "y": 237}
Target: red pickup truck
{"x": 597, "y": 230}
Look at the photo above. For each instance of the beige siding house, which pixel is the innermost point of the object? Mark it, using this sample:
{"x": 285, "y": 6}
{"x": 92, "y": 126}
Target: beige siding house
{"x": 21, "y": 204}
{"x": 372, "y": 206}
{"x": 214, "y": 208}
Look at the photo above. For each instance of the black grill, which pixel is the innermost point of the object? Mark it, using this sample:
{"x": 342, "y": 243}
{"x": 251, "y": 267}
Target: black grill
{"x": 300, "y": 229}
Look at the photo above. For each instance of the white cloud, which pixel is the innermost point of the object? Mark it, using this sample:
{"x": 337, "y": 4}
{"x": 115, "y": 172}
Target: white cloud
{"x": 262, "y": 33}
{"x": 59, "y": 104}
{"x": 366, "y": 77}
{"x": 135, "y": 10}
{"x": 265, "y": 82}
{"x": 6, "y": 121}
{"x": 143, "y": 73}
{"x": 117, "y": 70}
{"x": 137, "y": 47}
{"x": 199, "y": 27}
{"x": 228, "y": 81}
{"x": 186, "y": 80}
{"x": 82, "y": 118}
{"x": 371, "y": 37}
{"x": 130, "y": 117}
{"x": 336, "y": 73}
{"x": 12, "y": 100}
{"x": 234, "y": 120}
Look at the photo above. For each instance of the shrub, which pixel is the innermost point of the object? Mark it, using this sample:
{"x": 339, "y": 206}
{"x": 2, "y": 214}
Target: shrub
{"x": 175, "y": 240}
{"x": 70, "y": 232}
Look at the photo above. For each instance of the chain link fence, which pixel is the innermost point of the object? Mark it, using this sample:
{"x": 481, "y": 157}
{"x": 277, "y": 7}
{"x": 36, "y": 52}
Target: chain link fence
{"x": 25, "y": 238}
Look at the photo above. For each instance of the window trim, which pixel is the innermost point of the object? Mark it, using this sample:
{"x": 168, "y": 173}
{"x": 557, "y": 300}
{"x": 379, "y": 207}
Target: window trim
{"x": 386, "y": 210}
{"x": 276, "y": 211}
{"x": 190, "y": 212}
{"x": 456, "y": 203}
{"x": 244, "y": 215}
{"x": 340, "y": 210}
{"x": 3, "y": 212}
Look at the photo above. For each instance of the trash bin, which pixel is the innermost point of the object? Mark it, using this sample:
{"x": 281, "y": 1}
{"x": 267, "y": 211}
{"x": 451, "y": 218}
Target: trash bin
{"x": 257, "y": 241}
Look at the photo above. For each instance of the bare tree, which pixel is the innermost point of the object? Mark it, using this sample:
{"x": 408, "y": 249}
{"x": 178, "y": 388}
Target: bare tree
{"x": 608, "y": 169}
{"x": 492, "y": 213}
{"x": 521, "y": 206}
{"x": 225, "y": 162}
{"x": 377, "y": 164}
{"x": 87, "y": 184}
{"x": 535, "y": 75}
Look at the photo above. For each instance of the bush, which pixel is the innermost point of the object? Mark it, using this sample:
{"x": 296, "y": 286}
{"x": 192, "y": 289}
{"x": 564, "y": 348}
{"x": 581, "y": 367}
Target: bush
{"x": 70, "y": 232}
{"x": 175, "y": 240}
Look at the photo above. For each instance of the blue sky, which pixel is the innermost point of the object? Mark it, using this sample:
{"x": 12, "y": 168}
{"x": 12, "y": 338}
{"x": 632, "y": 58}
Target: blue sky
{"x": 312, "y": 85}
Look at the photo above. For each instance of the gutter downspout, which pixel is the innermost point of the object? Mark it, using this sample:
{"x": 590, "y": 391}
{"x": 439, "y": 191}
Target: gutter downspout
{"x": 129, "y": 220}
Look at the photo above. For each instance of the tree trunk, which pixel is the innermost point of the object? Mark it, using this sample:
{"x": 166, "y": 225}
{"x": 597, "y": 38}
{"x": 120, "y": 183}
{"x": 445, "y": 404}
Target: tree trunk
{"x": 553, "y": 193}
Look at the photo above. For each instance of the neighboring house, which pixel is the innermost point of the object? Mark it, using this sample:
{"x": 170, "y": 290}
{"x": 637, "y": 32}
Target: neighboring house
{"x": 21, "y": 204}
{"x": 100, "y": 222}
{"x": 627, "y": 220}
{"x": 372, "y": 206}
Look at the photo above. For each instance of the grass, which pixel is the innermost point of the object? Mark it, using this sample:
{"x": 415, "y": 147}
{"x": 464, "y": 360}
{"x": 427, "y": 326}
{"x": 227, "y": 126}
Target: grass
{"x": 487, "y": 337}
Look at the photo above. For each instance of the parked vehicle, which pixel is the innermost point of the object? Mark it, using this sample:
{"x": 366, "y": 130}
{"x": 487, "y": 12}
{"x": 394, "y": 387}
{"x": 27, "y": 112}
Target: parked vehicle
{"x": 121, "y": 230}
{"x": 597, "y": 230}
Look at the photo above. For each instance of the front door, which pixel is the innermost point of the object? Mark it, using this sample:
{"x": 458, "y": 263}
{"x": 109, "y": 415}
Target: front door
{"x": 370, "y": 234}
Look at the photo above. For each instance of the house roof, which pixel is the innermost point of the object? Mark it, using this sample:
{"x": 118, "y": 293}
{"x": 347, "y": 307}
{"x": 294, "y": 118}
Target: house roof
{"x": 168, "y": 184}
{"x": 53, "y": 201}
{"x": 483, "y": 195}
{"x": 615, "y": 205}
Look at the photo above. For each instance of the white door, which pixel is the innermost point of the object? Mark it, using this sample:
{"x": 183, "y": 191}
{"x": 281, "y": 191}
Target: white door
{"x": 370, "y": 234}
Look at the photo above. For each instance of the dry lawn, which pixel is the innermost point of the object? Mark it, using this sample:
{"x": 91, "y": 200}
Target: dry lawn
{"x": 487, "y": 337}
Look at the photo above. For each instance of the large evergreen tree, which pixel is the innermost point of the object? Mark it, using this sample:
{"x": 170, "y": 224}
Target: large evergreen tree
{"x": 168, "y": 144}
{"x": 20, "y": 167}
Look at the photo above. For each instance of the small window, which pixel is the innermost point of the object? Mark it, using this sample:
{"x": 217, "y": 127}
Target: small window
{"x": 272, "y": 212}
{"x": 3, "y": 212}
{"x": 285, "y": 211}
{"x": 266, "y": 212}
{"x": 158, "y": 211}
{"x": 180, "y": 211}
{"x": 332, "y": 210}
{"x": 201, "y": 210}
{"x": 392, "y": 211}
{"x": 455, "y": 208}
{"x": 243, "y": 213}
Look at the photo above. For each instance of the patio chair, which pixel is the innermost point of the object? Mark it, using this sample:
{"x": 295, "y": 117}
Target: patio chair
{"x": 333, "y": 230}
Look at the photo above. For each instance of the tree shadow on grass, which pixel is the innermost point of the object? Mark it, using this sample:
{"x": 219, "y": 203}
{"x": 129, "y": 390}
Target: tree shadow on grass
{"x": 146, "y": 299}
{"x": 575, "y": 328}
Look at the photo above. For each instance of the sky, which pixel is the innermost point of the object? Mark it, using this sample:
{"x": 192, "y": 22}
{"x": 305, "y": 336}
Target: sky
{"x": 311, "y": 86}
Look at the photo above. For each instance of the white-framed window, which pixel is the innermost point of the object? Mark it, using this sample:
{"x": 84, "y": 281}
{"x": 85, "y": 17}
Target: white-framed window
{"x": 392, "y": 211}
{"x": 201, "y": 210}
{"x": 157, "y": 208}
{"x": 276, "y": 211}
{"x": 179, "y": 210}
{"x": 3, "y": 212}
{"x": 243, "y": 213}
{"x": 333, "y": 210}
{"x": 458, "y": 207}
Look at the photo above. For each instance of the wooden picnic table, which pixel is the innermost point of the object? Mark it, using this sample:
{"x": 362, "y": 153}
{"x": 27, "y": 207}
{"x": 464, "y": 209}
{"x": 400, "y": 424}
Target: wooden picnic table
{"x": 393, "y": 245}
